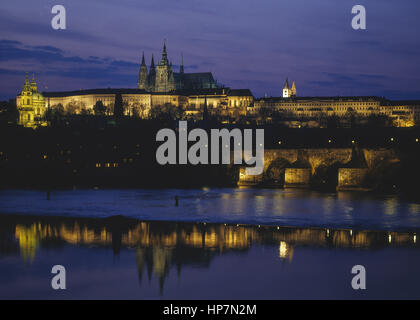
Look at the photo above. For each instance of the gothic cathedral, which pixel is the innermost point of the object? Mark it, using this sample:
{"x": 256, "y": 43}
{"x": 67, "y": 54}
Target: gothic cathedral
{"x": 162, "y": 78}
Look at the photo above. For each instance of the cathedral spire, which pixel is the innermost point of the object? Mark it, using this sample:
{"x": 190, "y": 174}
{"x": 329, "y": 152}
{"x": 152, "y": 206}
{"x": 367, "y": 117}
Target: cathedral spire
{"x": 181, "y": 68}
{"x": 152, "y": 75}
{"x": 152, "y": 63}
{"x": 164, "y": 60}
{"x": 142, "y": 82}
{"x": 293, "y": 89}
{"x": 143, "y": 63}
{"x": 286, "y": 89}
{"x": 34, "y": 87}
{"x": 286, "y": 85}
{"x": 26, "y": 86}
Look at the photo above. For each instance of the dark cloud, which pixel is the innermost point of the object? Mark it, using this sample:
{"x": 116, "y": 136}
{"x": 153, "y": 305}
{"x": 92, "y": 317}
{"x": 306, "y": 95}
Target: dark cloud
{"x": 48, "y": 49}
{"x": 51, "y": 63}
{"x": 12, "y": 51}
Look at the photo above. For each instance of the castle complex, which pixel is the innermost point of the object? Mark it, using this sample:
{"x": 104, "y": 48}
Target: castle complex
{"x": 193, "y": 92}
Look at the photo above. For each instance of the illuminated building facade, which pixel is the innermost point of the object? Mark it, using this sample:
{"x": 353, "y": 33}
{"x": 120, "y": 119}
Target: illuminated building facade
{"x": 31, "y": 105}
{"x": 402, "y": 113}
{"x": 221, "y": 101}
{"x": 139, "y": 103}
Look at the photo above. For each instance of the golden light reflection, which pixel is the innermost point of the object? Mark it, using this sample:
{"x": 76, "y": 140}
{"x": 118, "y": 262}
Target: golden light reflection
{"x": 285, "y": 251}
{"x": 29, "y": 240}
{"x": 391, "y": 206}
{"x": 414, "y": 208}
{"x": 162, "y": 244}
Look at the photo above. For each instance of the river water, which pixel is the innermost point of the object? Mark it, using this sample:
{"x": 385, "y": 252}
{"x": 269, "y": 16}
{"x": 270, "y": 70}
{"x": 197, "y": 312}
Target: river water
{"x": 216, "y": 244}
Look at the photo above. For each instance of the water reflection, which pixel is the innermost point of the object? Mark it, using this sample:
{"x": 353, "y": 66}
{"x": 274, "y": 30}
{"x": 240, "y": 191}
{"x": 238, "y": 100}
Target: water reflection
{"x": 159, "y": 246}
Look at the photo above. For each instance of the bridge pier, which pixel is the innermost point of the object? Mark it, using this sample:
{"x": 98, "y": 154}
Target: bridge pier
{"x": 297, "y": 177}
{"x": 248, "y": 180}
{"x": 352, "y": 179}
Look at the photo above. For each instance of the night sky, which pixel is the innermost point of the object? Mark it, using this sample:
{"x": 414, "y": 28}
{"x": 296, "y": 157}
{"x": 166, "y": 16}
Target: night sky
{"x": 246, "y": 44}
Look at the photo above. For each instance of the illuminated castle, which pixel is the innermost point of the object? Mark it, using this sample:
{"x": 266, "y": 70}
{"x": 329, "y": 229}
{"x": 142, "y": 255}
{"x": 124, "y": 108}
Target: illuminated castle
{"x": 162, "y": 78}
{"x": 159, "y": 87}
{"x": 31, "y": 105}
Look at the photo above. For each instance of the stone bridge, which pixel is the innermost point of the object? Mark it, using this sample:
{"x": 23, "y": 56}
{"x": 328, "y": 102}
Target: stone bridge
{"x": 345, "y": 167}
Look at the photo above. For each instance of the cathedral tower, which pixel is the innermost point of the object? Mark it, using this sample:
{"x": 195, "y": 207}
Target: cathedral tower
{"x": 34, "y": 87}
{"x": 293, "y": 91}
{"x": 151, "y": 79}
{"x": 143, "y": 83}
{"x": 181, "y": 68}
{"x": 286, "y": 89}
{"x": 165, "y": 81}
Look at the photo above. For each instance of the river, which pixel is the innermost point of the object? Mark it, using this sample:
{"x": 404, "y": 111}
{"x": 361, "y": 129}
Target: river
{"x": 216, "y": 244}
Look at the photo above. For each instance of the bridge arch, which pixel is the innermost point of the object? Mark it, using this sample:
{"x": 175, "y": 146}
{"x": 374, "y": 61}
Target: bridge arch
{"x": 326, "y": 176}
{"x": 274, "y": 174}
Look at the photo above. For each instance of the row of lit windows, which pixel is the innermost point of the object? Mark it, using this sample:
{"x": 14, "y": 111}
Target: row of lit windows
{"x": 113, "y": 164}
{"x": 107, "y": 165}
